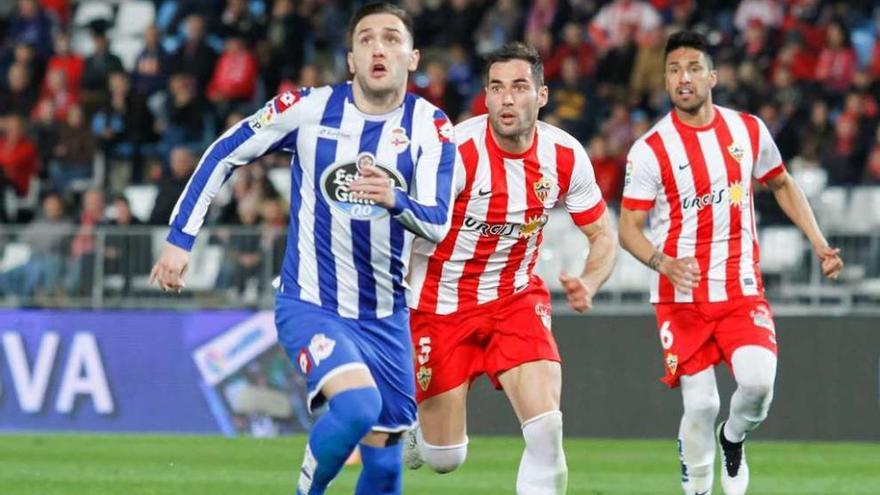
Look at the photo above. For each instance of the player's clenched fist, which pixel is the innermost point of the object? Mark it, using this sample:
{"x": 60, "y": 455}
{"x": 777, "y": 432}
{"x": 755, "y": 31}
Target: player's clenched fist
{"x": 579, "y": 294}
{"x": 374, "y": 184}
{"x": 831, "y": 262}
{"x": 683, "y": 273}
{"x": 168, "y": 272}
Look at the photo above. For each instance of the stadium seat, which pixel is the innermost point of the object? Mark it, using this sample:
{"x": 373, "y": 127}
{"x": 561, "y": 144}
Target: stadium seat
{"x": 863, "y": 215}
{"x": 141, "y": 199}
{"x": 93, "y": 10}
{"x": 812, "y": 181}
{"x": 830, "y": 209}
{"x": 633, "y": 275}
{"x": 280, "y": 179}
{"x": 133, "y": 18}
{"x": 206, "y": 263}
{"x": 782, "y": 249}
{"x": 15, "y": 254}
{"x": 127, "y": 49}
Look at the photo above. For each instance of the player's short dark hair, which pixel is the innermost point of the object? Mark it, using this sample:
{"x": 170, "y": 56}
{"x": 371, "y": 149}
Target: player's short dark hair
{"x": 688, "y": 39}
{"x": 516, "y": 50}
{"x": 379, "y": 8}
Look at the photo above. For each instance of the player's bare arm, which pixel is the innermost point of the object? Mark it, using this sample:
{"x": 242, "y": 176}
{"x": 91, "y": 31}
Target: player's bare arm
{"x": 170, "y": 269}
{"x": 683, "y": 273}
{"x": 598, "y": 267}
{"x": 793, "y": 202}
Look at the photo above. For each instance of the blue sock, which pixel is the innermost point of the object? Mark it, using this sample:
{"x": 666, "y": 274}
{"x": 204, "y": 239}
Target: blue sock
{"x": 382, "y": 473}
{"x": 352, "y": 415}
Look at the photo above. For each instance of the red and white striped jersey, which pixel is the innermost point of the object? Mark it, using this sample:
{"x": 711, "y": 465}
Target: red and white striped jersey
{"x": 498, "y": 216}
{"x": 697, "y": 184}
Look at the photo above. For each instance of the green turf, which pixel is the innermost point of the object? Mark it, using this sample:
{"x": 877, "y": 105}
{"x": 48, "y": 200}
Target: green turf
{"x": 176, "y": 465}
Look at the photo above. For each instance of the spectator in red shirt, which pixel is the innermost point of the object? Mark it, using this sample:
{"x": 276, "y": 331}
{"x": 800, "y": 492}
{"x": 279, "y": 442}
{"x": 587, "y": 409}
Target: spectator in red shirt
{"x": 573, "y": 44}
{"x": 608, "y": 169}
{"x": 837, "y": 61}
{"x": 235, "y": 76}
{"x": 65, "y": 60}
{"x": 57, "y": 97}
{"x": 18, "y": 156}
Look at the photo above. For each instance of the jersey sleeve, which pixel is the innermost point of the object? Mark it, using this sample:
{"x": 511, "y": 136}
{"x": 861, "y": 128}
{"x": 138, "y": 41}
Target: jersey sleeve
{"x": 426, "y": 212}
{"x": 642, "y": 181}
{"x": 583, "y": 201}
{"x": 769, "y": 161}
{"x": 266, "y": 131}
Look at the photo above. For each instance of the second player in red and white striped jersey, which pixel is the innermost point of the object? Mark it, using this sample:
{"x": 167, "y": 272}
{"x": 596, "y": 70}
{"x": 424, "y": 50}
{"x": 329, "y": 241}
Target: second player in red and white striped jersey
{"x": 698, "y": 181}
{"x": 498, "y": 217}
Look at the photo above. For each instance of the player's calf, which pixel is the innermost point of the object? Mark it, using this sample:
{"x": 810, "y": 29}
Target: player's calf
{"x": 382, "y": 473}
{"x": 542, "y": 469}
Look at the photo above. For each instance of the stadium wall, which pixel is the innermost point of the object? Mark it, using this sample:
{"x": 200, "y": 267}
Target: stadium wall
{"x": 216, "y": 372}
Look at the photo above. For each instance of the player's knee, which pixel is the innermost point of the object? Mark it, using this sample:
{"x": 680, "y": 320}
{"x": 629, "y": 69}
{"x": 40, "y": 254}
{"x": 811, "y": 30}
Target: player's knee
{"x": 444, "y": 458}
{"x": 702, "y": 405}
{"x": 359, "y": 407}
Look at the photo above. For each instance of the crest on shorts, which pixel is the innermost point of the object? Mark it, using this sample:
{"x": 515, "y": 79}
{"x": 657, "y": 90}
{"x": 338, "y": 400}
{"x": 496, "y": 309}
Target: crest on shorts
{"x": 321, "y": 347}
{"x": 424, "y": 377}
{"x": 736, "y": 151}
{"x": 671, "y": 363}
{"x": 542, "y": 188}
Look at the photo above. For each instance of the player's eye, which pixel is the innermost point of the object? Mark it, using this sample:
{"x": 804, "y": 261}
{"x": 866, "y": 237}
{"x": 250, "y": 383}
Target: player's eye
{"x": 495, "y": 89}
{"x": 392, "y": 39}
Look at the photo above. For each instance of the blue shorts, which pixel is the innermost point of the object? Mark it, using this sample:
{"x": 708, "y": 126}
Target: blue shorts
{"x": 322, "y": 344}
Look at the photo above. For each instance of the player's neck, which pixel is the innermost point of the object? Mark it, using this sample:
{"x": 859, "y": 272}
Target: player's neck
{"x": 701, "y": 117}
{"x": 515, "y": 145}
{"x": 376, "y": 103}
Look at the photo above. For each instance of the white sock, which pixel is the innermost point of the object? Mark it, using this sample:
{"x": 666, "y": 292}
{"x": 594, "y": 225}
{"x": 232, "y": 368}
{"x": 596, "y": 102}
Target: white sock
{"x": 442, "y": 458}
{"x": 697, "y": 429}
{"x": 754, "y": 368}
{"x": 542, "y": 470}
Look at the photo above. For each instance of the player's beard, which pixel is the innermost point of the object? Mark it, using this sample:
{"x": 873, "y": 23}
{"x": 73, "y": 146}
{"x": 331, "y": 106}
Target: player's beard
{"x": 691, "y": 107}
{"x": 381, "y": 94}
{"x": 523, "y": 127}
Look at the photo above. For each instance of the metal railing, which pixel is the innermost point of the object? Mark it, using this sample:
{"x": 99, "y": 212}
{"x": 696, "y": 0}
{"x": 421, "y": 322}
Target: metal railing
{"x": 233, "y": 267}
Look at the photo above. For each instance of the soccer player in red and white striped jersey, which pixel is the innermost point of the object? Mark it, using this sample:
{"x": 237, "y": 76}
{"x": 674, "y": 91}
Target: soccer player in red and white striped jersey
{"x": 693, "y": 173}
{"x": 477, "y": 307}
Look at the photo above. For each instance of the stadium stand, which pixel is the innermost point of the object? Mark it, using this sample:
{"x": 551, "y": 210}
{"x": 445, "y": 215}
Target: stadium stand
{"x": 810, "y": 69}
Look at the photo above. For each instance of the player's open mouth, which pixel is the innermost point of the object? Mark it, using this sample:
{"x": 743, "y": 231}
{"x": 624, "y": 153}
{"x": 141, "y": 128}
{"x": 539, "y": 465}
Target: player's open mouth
{"x": 685, "y": 91}
{"x": 378, "y": 70}
{"x": 507, "y": 117}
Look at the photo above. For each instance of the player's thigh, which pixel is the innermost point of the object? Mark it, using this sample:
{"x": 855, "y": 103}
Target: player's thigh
{"x": 443, "y": 417}
{"x": 319, "y": 344}
{"x": 533, "y": 388}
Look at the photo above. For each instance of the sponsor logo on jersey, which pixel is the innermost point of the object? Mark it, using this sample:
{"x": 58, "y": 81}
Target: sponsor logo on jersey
{"x": 627, "y": 179}
{"x": 444, "y": 129}
{"x": 424, "y": 377}
{"x": 399, "y": 140}
{"x": 335, "y": 184}
{"x": 542, "y": 188}
{"x": 671, "y": 363}
{"x": 286, "y": 100}
{"x": 511, "y": 230}
{"x": 735, "y": 194}
{"x": 736, "y": 151}
{"x": 321, "y": 347}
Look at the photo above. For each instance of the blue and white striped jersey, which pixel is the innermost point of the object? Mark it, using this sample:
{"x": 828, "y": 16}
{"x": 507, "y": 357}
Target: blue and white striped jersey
{"x": 345, "y": 254}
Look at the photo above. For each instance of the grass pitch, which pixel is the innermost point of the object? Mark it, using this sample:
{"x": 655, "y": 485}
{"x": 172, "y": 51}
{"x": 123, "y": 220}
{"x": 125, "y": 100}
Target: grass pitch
{"x": 179, "y": 465}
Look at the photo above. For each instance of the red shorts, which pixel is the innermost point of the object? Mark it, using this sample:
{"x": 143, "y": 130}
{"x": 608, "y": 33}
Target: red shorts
{"x": 696, "y": 336}
{"x": 491, "y": 338}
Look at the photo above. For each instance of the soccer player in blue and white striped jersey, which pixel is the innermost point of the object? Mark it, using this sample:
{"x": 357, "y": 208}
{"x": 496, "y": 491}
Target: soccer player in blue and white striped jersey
{"x": 372, "y": 167}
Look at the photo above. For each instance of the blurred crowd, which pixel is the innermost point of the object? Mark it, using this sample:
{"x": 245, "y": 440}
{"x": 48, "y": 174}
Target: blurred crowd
{"x": 93, "y": 105}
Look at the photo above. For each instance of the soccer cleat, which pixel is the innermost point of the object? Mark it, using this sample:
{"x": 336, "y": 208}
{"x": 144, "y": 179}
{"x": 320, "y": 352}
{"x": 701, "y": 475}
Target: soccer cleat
{"x": 412, "y": 455}
{"x": 734, "y": 469}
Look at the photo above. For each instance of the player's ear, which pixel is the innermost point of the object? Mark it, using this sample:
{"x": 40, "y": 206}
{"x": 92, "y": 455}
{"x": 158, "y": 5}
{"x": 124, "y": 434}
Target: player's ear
{"x": 414, "y": 60}
{"x": 713, "y": 78}
{"x": 350, "y": 59}
{"x": 543, "y": 96}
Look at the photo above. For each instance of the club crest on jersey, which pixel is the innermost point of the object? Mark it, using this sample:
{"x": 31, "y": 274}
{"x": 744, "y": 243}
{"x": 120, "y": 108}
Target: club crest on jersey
{"x": 736, "y": 151}
{"x": 737, "y": 194}
{"x": 399, "y": 141}
{"x": 335, "y": 185}
{"x": 543, "y": 311}
{"x": 321, "y": 347}
{"x": 424, "y": 377}
{"x": 671, "y": 363}
{"x": 542, "y": 188}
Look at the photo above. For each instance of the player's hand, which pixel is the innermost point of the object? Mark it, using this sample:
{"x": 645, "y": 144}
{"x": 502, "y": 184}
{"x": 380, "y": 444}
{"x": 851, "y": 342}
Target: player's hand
{"x": 168, "y": 272}
{"x": 579, "y": 294}
{"x": 831, "y": 262}
{"x": 684, "y": 273}
{"x": 374, "y": 184}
